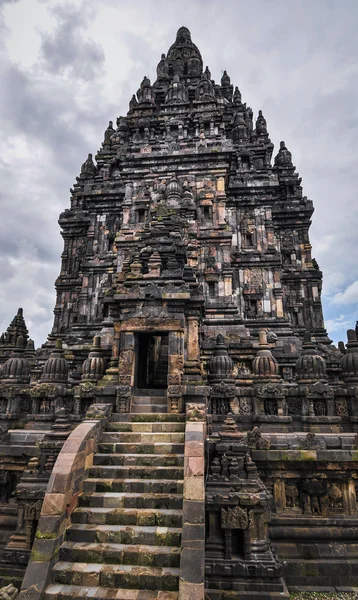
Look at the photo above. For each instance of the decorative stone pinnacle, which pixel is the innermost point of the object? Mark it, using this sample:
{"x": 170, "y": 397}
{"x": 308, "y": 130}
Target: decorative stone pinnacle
{"x": 97, "y": 342}
{"x": 263, "y": 338}
{"x": 351, "y": 336}
{"x": 20, "y": 343}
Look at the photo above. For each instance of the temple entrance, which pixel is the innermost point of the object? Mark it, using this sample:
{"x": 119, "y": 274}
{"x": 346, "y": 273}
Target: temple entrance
{"x": 152, "y": 360}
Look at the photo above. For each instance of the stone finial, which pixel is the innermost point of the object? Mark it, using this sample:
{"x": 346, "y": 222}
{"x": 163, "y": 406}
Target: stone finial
{"x": 225, "y": 80}
{"x": 183, "y": 33}
{"x": 261, "y": 125}
{"x": 341, "y": 347}
{"x": 122, "y": 126}
{"x": 220, "y": 364}
{"x": 16, "y": 328}
{"x": 154, "y": 265}
{"x": 310, "y": 366}
{"x": 108, "y": 134}
{"x": 56, "y": 367}
{"x": 17, "y": 368}
{"x": 173, "y": 189}
{"x": 145, "y": 93}
{"x": 133, "y": 102}
{"x": 88, "y": 168}
{"x": 30, "y": 346}
{"x": 136, "y": 268}
{"x": 93, "y": 367}
{"x": 205, "y": 91}
{"x": 163, "y": 69}
{"x": 237, "y": 96}
{"x": 349, "y": 361}
{"x": 229, "y": 428}
{"x": 265, "y": 365}
{"x": 283, "y": 157}
{"x": 177, "y": 92}
{"x": 207, "y": 73}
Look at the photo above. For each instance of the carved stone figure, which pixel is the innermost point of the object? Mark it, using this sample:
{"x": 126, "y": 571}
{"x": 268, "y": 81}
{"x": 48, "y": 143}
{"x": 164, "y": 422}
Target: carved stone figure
{"x": 292, "y": 495}
{"x": 9, "y": 592}
{"x": 234, "y": 518}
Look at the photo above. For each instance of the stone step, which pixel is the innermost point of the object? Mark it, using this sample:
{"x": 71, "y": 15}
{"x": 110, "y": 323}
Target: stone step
{"x": 143, "y": 438}
{"x": 67, "y": 592}
{"x": 147, "y": 408}
{"x": 122, "y": 554}
{"x": 162, "y": 417}
{"x": 145, "y": 486}
{"x": 143, "y": 427}
{"x": 116, "y": 576}
{"x": 133, "y": 448}
{"x": 149, "y": 400}
{"x": 136, "y": 472}
{"x": 123, "y": 534}
{"x": 161, "y": 460}
{"x": 116, "y": 500}
{"x": 124, "y": 516}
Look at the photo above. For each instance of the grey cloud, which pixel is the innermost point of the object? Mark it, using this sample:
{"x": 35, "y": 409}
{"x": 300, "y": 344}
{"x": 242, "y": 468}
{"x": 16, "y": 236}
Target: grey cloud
{"x": 68, "y": 48}
{"x": 42, "y": 111}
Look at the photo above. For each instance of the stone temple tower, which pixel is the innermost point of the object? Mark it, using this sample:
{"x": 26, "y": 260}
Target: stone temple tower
{"x": 184, "y": 226}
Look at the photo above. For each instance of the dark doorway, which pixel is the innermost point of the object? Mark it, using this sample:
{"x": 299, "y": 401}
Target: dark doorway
{"x": 152, "y": 360}
{"x": 237, "y": 542}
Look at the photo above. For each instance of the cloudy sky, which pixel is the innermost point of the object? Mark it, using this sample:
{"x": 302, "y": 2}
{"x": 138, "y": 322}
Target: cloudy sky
{"x": 68, "y": 67}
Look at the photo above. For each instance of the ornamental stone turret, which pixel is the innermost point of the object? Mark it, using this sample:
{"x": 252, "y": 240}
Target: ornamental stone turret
{"x": 220, "y": 364}
{"x": 56, "y": 367}
{"x": 108, "y": 134}
{"x": 133, "y": 103}
{"x": 177, "y": 92}
{"x": 227, "y": 87}
{"x": 93, "y": 367}
{"x": 284, "y": 157}
{"x": 261, "y": 125}
{"x": 17, "y": 368}
{"x": 16, "y": 328}
{"x": 184, "y": 57}
{"x": 349, "y": 361}
{"x": 237, "y": 97}
{"x": 163, "y": 70}
{"x": 310, "y": 366}
{"x": 88, "y": 169}
{"x": 145, "y": 93}
{"x": 205, "y": 91}
{"x": 265, "y": 365}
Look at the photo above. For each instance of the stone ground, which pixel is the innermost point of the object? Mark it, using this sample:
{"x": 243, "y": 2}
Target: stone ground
{"x": 324, "y": 595}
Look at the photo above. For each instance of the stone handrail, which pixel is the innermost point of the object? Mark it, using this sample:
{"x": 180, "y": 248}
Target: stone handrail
{"x": 192, "y": 558}
{"x": 64, "y": 487}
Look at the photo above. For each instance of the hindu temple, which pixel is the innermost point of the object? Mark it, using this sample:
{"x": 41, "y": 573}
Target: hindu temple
{"x": 188, "y": 430}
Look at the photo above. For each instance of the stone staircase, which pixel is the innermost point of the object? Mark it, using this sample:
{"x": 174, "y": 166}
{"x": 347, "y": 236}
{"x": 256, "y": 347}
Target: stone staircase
{"x": 149, "y": 401}
{"x": 125, "y": 535}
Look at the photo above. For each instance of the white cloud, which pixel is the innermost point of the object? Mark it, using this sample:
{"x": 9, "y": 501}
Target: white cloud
{"x": 348, "y": 296}
{"x": 335, "y": 325}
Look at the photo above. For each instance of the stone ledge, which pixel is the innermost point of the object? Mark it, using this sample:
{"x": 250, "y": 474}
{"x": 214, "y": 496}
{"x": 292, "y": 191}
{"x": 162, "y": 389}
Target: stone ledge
{"x": 192, "y": 559}
{"x": 64, "y": 487}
